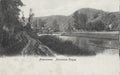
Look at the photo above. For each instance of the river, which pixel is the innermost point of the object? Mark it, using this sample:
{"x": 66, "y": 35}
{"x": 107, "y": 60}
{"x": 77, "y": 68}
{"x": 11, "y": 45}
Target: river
{"x": 97, "y": 45}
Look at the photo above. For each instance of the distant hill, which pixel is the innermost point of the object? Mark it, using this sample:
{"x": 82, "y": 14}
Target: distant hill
{"x": 61, "y": 20}
{"x": 106, "y": 17}
{"x": 92, "y": 15}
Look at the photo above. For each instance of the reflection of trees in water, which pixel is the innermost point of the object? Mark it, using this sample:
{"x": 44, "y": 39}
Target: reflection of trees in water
{"x": 96, "y": 45}
{"x": 83, "y": 43}
{"x": 98, "y": 41}
{"x": 99, "y": 44}
{"x": 91, "y": 44}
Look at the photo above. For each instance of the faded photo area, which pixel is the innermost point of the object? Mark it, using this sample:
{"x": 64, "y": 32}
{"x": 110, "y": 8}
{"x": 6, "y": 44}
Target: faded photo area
{"x": 59, "y": 37}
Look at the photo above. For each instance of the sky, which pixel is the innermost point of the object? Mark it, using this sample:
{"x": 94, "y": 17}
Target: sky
{"x": 66, "y": 7}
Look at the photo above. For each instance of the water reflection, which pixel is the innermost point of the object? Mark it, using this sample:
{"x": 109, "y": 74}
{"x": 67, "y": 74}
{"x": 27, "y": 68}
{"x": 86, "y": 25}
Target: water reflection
{"x": 97, "y": 45}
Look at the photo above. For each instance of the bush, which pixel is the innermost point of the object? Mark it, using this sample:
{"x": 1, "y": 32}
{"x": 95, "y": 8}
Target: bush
{"x": 63, "y": 47}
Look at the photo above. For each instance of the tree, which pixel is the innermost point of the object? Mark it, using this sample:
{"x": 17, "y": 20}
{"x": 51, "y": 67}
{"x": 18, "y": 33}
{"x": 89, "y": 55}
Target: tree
{"x": 29, "y": 24}
{"x": 39, "y": 25}
{"x": 9, "y": 20}
{"x": 31, "y": 14}
{"x": 110, "y": 19}
{"x": 70, "y": 27}
{"x": 10, "y": 11}
{"x": 96, "y": 26}
{"x": 56, "y": 26}
{"x": 80, "y": 20}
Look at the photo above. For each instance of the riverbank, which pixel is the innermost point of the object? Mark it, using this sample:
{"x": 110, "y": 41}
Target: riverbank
{"x": 114, "y": 35}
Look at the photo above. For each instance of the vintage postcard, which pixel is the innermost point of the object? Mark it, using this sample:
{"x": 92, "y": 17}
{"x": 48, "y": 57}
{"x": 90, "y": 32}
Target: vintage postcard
{"x": 59, "y": 37}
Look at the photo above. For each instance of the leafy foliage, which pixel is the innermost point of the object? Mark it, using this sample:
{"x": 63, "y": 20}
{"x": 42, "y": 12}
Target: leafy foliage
{"x": 55, "y": 26}
{"x": 9, "y": 24}
{"x": 80, "y": 20}
{"x": 70, "y": 27}
{"x": 10, "y": 12}
{"x": 95, "y": 26}
{"x": 112, "y": 18}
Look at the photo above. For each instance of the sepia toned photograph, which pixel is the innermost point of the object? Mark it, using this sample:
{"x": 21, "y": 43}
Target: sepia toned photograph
{"x": 59, "y": 37}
